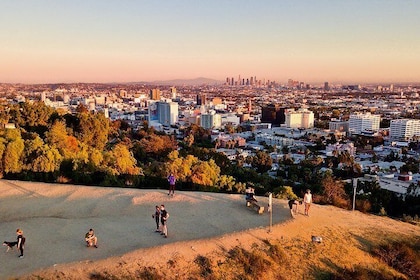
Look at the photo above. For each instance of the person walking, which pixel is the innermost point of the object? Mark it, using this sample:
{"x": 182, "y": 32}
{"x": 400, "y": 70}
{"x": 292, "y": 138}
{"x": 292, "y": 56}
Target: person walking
{"x": 172, "y": 181}
{"x": 156, "y": 216}
{"x": 307, "y": 200}
{"x": 20, "y": 241}
{"x": 164, "y": 215}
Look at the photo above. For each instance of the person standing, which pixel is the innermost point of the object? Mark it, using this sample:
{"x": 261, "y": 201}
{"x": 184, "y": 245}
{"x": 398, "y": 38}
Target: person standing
{"x": 20, "y": 241}
{"x": 164, "y": 215}
{"x": 307, "y": 200}
{"x": 172, "y": 181}
{"x": 156, "y": 216}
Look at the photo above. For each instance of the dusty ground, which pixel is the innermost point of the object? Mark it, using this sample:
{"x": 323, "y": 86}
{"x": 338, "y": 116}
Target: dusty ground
{"x": 55, "y": 217}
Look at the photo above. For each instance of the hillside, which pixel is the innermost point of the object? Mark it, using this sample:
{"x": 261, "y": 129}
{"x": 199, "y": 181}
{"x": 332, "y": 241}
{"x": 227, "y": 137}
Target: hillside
{"x": 208, "y": 237}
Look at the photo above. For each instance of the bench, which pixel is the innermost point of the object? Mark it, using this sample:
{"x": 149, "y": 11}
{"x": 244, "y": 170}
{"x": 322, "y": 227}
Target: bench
{"x": 255, "y": 206}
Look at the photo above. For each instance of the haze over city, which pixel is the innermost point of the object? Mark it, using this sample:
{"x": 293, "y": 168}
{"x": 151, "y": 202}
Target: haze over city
{"x": 128, "y": 41}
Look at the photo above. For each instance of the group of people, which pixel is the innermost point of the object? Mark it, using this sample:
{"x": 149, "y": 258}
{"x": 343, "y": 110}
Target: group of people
{"x": 307, "y": 200}
{"x": 161, "y": 216}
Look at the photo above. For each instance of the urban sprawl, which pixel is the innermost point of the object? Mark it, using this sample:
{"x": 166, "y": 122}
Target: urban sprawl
{"x": 244, "y": 115}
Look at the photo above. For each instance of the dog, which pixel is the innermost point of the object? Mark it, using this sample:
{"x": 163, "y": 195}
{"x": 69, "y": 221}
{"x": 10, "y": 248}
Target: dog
{"x": 9, "y": 245}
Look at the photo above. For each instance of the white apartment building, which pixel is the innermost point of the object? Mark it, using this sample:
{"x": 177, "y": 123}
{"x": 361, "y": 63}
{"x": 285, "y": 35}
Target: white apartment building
{"x": 363, "y": 122}
{"x": 211, "y": 120}
{"x": 404, "y": 129}
{"x": 302, "y": 118}
{"x": 272, "y": 140}
{"x": 167, "y": 113}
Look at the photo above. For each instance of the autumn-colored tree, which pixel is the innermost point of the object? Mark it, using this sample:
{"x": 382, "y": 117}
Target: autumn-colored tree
{"x": 120, "y": 161}
{"x": 12, "y": 156}
{"x": 333, "y": 191}
{"x": 58, "y": 137}
{"x": 191, "y": 169}
{"x": 205, "y": 173}
{"x": 155, "y": 146}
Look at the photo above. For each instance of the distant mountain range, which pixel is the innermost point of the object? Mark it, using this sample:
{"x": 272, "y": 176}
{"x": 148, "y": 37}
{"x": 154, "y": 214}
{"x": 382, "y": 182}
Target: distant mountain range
{"x": 187, "y": 82}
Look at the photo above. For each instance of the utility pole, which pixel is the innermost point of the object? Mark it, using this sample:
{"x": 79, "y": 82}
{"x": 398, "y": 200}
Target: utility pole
{"x": 354, "y": 192}
{"x": 270, "y": 209}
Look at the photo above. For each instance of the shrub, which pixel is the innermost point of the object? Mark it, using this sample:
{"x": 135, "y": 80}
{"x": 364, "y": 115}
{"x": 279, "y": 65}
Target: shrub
{"x": 205, "y": 265}
{"x": 363, "y": 205}
{"x": 401, "y": 257}
{"x": 284, "y": 192}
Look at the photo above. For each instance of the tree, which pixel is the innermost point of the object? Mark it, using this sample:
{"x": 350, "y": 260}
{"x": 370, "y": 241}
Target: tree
{"x": 155, "y": 146}
{"x": 205, "y": 173}
{"x": 40, "y": 157}
{"x": 261, "y": 162}
{"x": 59, "y": 138}
{"x": 333, "y": 191}
{"x": 12, "y": 156}
{"x": 93, "y": 129}
{"x": 120, "y": 161}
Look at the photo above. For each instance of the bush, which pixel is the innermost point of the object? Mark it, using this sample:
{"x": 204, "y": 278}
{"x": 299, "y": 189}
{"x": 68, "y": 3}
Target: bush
{"x": 363, "y": 205}
{"x": 284, "y": 192}
{"x": 402, "y": 257}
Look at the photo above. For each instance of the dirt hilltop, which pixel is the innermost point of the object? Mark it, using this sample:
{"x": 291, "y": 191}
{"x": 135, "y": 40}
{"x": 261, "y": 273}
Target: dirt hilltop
{"x": 206, "y": 232}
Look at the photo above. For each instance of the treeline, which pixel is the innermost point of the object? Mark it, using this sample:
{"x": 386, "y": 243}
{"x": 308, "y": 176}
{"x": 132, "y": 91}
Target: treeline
{"x": 87, "y": 148}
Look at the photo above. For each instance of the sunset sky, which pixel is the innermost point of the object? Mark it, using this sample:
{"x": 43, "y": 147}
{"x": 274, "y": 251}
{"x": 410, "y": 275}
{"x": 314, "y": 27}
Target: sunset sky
{"x": 49, "y": 41}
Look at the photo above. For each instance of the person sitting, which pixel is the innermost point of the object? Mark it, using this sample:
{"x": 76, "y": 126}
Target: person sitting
{"x": 250, "y": 194}
{"x": 91, "y": 239}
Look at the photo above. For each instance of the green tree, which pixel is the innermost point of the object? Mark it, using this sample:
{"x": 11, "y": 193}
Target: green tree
{"x": 40, "y": 157}
{"x": 93, "y": 129}
{"x": 261, "y": 162}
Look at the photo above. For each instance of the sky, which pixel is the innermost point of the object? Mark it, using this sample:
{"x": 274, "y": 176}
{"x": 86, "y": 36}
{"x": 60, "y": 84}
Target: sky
{"x": 349, "y": 41}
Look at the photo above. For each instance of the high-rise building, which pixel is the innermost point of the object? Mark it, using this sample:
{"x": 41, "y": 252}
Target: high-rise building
{"x": 404, "y": 129}
{"x": 273, "y": 114}
{"x": 155, "y": 94}
{"x": 366, "y": 122}
{"x": 167, "y": 113}
{"x": 326, "y": 86}
{"x": 173, "y": 92}
{"x": 201, "y": 99}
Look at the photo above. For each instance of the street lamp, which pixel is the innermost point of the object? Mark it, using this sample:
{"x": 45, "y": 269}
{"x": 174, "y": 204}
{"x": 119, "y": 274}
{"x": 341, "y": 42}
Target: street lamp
{"x": 354, "y": 192}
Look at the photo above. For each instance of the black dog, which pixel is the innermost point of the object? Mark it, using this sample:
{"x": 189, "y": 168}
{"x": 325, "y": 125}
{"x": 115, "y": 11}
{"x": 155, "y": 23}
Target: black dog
{"x": 9, "y": 245}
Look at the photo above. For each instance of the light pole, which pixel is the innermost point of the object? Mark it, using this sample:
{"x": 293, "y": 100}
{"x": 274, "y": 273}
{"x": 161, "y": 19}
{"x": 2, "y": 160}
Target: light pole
{"x": 270, "y": 209}
{"x": 354, "y": 192}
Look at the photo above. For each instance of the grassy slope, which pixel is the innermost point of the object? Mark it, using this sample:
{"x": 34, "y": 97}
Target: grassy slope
{"x": 284, "y": 253}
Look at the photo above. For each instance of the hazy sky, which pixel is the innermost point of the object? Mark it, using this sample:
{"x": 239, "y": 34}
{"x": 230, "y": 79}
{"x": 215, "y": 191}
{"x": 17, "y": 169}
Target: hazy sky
{"x": 134, "y": 40}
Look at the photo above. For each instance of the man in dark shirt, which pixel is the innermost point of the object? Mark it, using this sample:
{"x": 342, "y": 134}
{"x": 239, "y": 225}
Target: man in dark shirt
{"x": 20, "y": 241}
{"x": 164, "y": 215}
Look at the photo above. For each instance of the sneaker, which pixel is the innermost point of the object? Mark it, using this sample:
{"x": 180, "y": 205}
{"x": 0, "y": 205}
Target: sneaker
{"x": 96, "y": 246}
{"x": 21, "y": 256}
{"x": 166, "y": 236}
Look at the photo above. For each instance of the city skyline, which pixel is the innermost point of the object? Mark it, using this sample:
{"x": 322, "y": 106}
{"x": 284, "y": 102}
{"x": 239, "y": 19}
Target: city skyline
{"x": 128, "y": 41}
